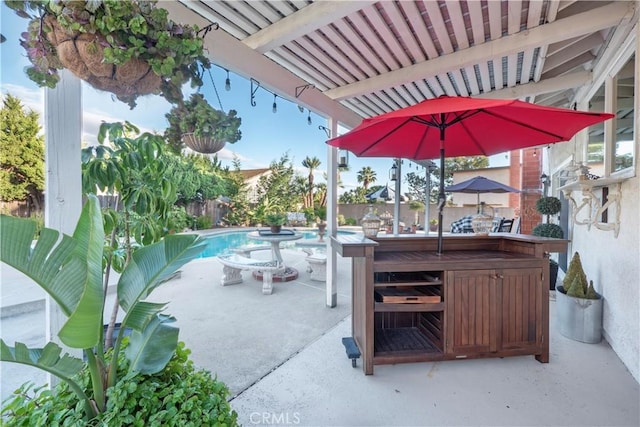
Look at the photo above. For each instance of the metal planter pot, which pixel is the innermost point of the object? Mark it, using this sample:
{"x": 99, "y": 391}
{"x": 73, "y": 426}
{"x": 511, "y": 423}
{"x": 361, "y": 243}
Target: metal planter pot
{"x": 579, "y": 319}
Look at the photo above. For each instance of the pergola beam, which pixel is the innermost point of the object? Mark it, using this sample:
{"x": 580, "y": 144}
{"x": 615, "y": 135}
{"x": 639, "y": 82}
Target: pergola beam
{"x": 566, "y": 81}
{"x": 305, "y": 21}
{"x": 228, "y": 52}
{"x": 596, "y": 19}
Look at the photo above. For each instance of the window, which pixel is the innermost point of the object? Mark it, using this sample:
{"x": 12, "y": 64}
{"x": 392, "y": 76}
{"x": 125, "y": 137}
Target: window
{"x": 595, "y": 147}
{"x": 625, "y": 115}
{"x": 617, "y": 149}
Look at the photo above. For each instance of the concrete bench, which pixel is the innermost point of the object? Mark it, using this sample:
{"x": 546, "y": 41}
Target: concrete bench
{"x": 317, "y": 267}
{"x": 234, "y": 264}
{"x": 245, "y": 250}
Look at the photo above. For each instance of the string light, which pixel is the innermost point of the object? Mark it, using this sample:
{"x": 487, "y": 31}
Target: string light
{"x": 227, "y": 82}
{"x": 309, "y": 118}
{"x": 274, "y": 107}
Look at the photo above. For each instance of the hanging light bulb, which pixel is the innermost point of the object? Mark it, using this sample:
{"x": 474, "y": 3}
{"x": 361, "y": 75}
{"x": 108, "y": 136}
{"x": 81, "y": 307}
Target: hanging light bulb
{"x": 227, "y": 83}
{"x": 309, "y": 118}
{"x": 301, "y": 108}
{"x": 274, "y": 107}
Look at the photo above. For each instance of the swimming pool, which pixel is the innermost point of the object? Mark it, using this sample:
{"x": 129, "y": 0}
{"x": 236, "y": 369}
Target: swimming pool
{"x": 221, "y": 243}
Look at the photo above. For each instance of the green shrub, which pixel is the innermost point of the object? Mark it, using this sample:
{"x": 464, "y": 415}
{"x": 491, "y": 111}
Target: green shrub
{"x": 575, "y": 281}
{"x": 416, "y": 205}
{"x": 310, "y": 215}
{"x": 203, "y": 222}
{"x": 179, "y": 395}
{"x": 548, "y": 205}
{"x": 179, "y": 219}
{"x": 350, "y": 221}
{"x": 548, "y": 230}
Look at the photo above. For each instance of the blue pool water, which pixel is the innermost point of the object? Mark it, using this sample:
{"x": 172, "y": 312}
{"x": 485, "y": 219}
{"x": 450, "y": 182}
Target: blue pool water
{"x": 223, "y": 242}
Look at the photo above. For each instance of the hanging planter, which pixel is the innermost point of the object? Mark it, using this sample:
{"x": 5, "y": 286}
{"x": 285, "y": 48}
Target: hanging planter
{"x": 128, "y": 48}
{"x": 81, "y": 54}
{"x": 201, "y": 127}
{"x": 202, "y": 144}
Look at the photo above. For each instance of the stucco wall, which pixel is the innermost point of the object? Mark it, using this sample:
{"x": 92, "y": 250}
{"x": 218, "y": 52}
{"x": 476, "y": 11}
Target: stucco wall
{"x": 612, "y": 264}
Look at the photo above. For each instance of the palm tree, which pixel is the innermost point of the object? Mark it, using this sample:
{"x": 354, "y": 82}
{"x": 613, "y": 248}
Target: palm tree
{"x": 366, "y": 176}
{"x": 311, "y": 163}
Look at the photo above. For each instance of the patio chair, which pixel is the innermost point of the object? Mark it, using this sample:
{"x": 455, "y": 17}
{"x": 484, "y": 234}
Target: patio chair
{"x": 505, "y": 225}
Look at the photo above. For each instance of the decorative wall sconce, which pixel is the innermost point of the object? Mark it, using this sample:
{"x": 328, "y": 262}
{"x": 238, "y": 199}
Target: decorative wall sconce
{"x": 393, "y": 172}
{"x": 343, "y": 159}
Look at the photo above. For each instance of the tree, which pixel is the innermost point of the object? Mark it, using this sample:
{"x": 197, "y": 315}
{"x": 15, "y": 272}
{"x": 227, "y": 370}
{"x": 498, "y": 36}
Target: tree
{"x": 454, "y": 164}
{"x": 366, "y": 176}
{"x": 21, "y": 154}
{"x": 311, "y": 163}
{"x": 417, "y": 187}
{"x": 276, "y": 191}
{"x": 129, "y": 165}
{"x": 196, "y": 177}
{"x": 356, "y": 195}
{"x": 237, "y": 191}
{"x": 418, "y": 183}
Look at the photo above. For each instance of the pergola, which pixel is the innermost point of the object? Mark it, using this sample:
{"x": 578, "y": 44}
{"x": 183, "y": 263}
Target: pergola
{"x": 348, "y": 60}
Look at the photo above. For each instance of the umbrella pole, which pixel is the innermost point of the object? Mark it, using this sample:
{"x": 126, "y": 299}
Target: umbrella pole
{"x": 441, "y": 197}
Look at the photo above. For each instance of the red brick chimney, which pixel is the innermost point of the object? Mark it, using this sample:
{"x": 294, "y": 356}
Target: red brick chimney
{"x": 530, "y": 171}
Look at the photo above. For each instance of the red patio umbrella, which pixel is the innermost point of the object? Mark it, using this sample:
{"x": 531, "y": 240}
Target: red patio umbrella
{"x": 462, "y": 126}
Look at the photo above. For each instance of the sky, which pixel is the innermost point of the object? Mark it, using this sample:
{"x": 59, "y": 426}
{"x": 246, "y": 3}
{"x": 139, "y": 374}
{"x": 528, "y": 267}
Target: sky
{"x": 266, "y": 136}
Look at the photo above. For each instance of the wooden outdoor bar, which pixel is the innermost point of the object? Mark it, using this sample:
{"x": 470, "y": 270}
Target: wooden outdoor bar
{"x": 484, "y": 296}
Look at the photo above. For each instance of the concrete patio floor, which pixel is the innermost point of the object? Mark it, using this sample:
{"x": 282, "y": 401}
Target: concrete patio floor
{"x": 281, "y": 356}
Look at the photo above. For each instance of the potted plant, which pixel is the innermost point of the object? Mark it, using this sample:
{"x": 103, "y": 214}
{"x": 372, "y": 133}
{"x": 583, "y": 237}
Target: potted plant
{"x": 549, "y": 206}
{"x": 321, "y": 217}
{"x": 129, "y": 48}
{"x": 70, "y": 270}
{"x": 433, "y": 224}
{"x": 275, "y": 220}
{"x": 578, "y": 305}
{"x": 200, "y": 126}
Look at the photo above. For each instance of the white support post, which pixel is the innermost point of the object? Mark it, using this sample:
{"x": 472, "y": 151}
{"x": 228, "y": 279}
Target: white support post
{"x": 332, "y": 217}
{"x": 427, "y": 200}
{"x": 396, "y": 202}
{"x": 63, "y": 179}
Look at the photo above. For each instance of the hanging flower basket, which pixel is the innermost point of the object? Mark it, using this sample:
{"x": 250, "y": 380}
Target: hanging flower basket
{"x": 127, "y": 47}
{"x": 83, "y": 55}
{"x": 202, "y": 144}
{"x": 201, "y": 127}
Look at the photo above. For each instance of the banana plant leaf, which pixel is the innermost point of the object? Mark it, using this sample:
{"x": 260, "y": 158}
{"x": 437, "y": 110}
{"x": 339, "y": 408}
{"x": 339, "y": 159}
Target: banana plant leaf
{"x": 47, "y": 358}
{"x": 151, "y": 350}
{"x": 151, "y": 265}
{"x": 68, "y": 269}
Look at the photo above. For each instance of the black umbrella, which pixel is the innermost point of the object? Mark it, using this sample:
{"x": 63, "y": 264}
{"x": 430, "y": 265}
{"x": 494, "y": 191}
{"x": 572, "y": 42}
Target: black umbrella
{"x": 480, "y": 184}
